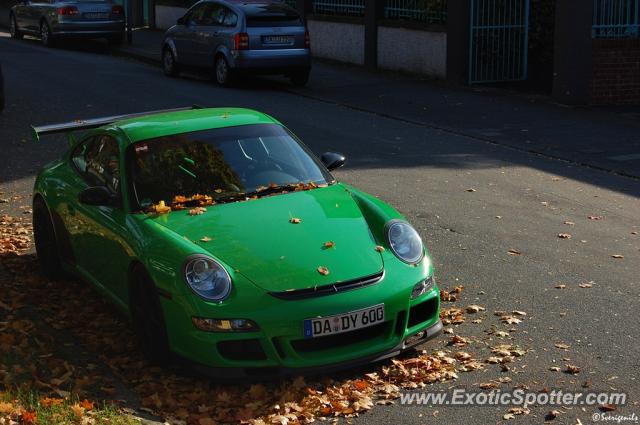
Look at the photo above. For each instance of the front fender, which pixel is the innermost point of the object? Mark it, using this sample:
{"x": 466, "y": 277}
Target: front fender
{"x": 171, "y": 44}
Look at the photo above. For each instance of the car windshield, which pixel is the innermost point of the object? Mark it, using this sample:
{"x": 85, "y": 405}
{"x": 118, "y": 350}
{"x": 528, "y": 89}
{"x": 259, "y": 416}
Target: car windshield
{"x": 221, "y": 165}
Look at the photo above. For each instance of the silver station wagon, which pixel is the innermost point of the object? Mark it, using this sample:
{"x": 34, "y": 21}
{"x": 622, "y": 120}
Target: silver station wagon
{"x": 51, "y": 20}
{"x": 235, "y": 37}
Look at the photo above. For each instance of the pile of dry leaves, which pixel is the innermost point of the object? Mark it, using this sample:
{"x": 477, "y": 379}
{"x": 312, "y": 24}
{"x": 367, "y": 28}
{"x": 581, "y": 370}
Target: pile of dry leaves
{"x": 63, "y": 340}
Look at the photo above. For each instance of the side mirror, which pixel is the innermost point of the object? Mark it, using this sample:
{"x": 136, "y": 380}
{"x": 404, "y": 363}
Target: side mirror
{"x": 181, "y": 21}
{"x": 333, "y": 160}
{"x": 97, "y": 195}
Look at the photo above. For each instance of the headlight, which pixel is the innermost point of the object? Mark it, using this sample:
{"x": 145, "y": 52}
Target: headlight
{"x": 207, "y": 278}
{"x": 405, "y": 241}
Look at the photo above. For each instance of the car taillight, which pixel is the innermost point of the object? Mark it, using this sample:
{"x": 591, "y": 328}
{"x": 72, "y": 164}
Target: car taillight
{"x": 307, "y": 40}
{"x": 68, "y": 11}
{"x": 116, "y": 9}
{"x": 241, "y": 41}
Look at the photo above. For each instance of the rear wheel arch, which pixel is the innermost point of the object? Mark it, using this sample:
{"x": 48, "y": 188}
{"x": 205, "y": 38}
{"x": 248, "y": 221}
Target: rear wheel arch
{"x": 46, "y": 239}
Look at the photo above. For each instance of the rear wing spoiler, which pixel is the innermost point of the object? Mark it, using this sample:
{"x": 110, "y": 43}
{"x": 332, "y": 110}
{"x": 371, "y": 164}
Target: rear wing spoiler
{"x": 80, "y": 125}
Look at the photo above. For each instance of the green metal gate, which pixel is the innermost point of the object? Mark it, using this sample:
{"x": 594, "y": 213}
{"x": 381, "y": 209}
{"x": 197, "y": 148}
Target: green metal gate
{"x": 499, "y": 38}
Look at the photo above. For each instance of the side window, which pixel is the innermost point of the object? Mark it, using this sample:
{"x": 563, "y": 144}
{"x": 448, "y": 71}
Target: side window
{"x": 196, "y": 15}
{"x": 78, "y": 156}
{"x": 214, "y": 15}
{"x": 230, "y": 18}
{"x": 98, "y": 162}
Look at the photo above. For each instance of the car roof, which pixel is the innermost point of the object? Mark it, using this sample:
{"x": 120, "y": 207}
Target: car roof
{"x": 177, "y": 122}
{"x": 253, "y": 7}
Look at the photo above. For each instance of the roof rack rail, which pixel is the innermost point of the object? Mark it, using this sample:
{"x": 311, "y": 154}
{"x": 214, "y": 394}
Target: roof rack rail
{"x": 78, "y": 125}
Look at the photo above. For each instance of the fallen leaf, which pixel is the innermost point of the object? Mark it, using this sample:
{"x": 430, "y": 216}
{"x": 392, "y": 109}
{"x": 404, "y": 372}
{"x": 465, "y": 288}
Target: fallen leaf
{"x": 205, "y": 239}
{"x": 554, "y": 369}
{"x": 514, "y": 252}
{"x": 295, "y": 220}
{"x": 569, "y": 223}
{"x": 323, "y": 270}
{"x": 78, "y": 411}
{"x": 519, "y": 313}
{"x": 197, "y": 211}
{"x": 29, "y": 417}
{"x": 379, "y": 248}
{"x": 329, "y": 244}
{"x": 473, "y": 308}
{"x": 608, "y": 407}
{"x": 617, "y": 256}
{"x": 86, "y": 404}
{"x": 562, "y": 346}
{"x": 595, "y": 217}
{"x": 489, "y": 385}
{"x": 458, "y": 341}
{"x": 572, "y": 369}
{"x": 510, "y": 320}
{"x": 560, "y": 286}
{"x": 564, "y": 235}
{"x": 470, "y": 190}
{"x": 586, "y": 285}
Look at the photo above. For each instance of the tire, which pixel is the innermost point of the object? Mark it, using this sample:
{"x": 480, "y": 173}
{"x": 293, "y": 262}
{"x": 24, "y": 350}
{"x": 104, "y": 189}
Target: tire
{"x": 45, "y": 35}
{"x": 300, "y": 77}
{"x": 169, "y": 65}
{"x": 45, "y": 241}
{"x": 13, "y": 28}
{"x": 224, "y": 74}
{"x": 148, "y": 319}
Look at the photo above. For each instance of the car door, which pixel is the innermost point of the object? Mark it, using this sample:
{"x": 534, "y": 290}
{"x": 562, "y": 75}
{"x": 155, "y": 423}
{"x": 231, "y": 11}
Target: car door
{"x": 186, "y": 44}
{"x": 99, "y": 239}
{"x": 228, "y": 29}
{"x": 205, "y": 34}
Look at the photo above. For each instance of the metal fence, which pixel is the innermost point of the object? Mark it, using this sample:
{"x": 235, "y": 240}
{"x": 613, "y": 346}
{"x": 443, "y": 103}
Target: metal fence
{"x": 616, "y": 19}
{"x": 339, "y": 7}
{"x": 427, "y": 11}
{"x": 292, "y": 3}
{"x": 498, "y": 40}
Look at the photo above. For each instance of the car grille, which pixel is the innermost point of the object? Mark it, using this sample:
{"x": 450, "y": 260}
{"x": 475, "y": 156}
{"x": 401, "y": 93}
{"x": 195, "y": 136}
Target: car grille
{"x": 333, "y": 288}
{"x": 423, "y": 312}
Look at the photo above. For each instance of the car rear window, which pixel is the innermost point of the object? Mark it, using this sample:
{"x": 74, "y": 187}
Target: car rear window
{"x": 272, "y": 16}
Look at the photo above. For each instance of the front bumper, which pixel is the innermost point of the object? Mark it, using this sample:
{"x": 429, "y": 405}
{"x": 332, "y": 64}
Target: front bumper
{"x": 88, "y": 29}
{"x": 221, "y": 373}
{"x": 272, "y": 59}
{"x": 279, "y": 346}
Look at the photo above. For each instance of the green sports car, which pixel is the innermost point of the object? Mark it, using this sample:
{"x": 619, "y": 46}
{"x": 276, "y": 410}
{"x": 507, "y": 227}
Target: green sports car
{"x": 230, "y": 245}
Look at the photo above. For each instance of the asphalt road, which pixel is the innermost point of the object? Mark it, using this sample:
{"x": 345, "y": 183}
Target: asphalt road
{"x": 519, "y": 201}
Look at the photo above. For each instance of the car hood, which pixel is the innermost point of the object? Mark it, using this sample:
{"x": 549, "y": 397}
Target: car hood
{"x": 257, "y": 238}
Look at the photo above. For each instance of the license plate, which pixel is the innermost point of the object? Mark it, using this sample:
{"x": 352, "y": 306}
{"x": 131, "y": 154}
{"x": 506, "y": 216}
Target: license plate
{"x": 96, "y": 15}
{"x": 277, "y": 39}
{"x": 345, "y": 322}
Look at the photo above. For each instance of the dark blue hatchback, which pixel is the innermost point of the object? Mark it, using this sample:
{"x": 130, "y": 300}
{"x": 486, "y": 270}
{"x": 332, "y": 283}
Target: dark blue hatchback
{"x": 239, "y": 36}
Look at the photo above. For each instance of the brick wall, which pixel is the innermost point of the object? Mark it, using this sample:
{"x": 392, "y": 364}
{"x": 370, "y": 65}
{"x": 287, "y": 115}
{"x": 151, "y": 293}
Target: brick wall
{"x": 616, "y": 72}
